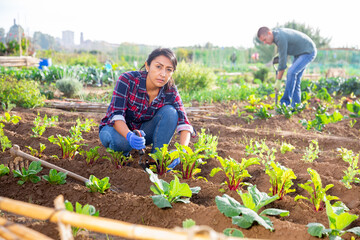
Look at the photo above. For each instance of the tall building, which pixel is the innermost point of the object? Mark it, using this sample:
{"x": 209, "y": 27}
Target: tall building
{"x": 68, "y": 38}
{"x": 81, "y": 38}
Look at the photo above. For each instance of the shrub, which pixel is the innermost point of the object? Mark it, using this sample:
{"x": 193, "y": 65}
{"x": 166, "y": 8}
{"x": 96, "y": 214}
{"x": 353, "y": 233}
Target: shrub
{"x": 24, "y": 93}
{"x": 193, "y": 77}
{"x": 261, "y": 74}
{"x": 69, "y": 86}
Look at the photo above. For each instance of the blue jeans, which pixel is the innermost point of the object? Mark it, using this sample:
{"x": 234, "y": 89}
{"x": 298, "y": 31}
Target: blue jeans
{"x": 158, "y": 131}
{"x": 292, "y": 93}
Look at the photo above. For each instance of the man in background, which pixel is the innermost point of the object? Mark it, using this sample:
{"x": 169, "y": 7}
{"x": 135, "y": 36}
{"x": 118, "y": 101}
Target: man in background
{"x": 293, "y": 43}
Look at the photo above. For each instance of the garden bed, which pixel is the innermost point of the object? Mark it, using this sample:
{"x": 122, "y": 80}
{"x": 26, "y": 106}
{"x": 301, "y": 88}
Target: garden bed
{"x": 133, "y": 203}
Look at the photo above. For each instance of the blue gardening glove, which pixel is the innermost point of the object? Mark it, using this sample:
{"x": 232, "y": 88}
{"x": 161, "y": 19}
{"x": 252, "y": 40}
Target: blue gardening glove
{"x": 175, "y": 162}
{"x": 135, "y": 141}
{"x": 277, "y": 84}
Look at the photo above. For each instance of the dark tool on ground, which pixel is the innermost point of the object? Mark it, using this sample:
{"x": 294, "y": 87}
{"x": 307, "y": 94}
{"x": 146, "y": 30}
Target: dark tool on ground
{"x": 276, "y": 62}
{"x": 142, "y": 164}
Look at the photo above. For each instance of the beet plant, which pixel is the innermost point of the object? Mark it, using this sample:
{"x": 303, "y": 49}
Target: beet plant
{"x": 4, "y": 140}
{"x": 280, "y": 179}
{"x": 353, "y": 170}
{"x": 69, "y": 145}
{"x": 29, "y": 174}
{"x": 354, "y": 108}
{"x": 166, "y": 193}
{"x": 34, "y": 152}
{"x": 235, "y": 172}
{"x": 189, "y": 161}
{"x": 207, "y": 143}
{"x": 163, "y": 159}
{"x": 54, "y": 177}
{"x": 91, "y": 156}
{"x": 245, "y": 215}
{"x": 10, "y": 118}
{"x": 118, "y": 158}
{"x": 311, "y": 152}
{"x": 4, "y": 170}
{"x": 87, "y": 209}
{"x": 338, "y": 218}
{"x": 40, "y": 125}
{"x": 98, "y": 185}
{"x": 316, "y": 191}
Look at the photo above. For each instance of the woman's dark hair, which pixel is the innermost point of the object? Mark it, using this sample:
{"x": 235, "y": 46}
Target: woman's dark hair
{"x": 162, "y": 52}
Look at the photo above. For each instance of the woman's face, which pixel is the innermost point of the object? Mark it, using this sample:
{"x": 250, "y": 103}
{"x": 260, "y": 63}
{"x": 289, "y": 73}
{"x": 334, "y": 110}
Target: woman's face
{"x": 160, "y": 71}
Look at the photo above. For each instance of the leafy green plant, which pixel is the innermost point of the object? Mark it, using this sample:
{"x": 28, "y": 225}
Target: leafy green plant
{"x": 118, "y": 158}
{"x": 92, "y": 155}
{"x": 29, "y": 174}
{"x": 189, "y": 161}
{"x": 338, "y": 218}
{"x": 69, "y": 145}
{"x": 69, "y": 86}
{"x": 311, "y": 152}
{"x": 55, "y": 177}
{"x": 97, "y": 185}
{"x": 40, "y": 125}
{"x": 10, "y": 118}
{"x": 280, "y": 179}
{"x": 353, "y": 169}
{"x": 323, "y": 95}
{"x": 354, "y": 108}
{"x": 4, "y": 170}
{"x": 85, "y": 210}
{"x": 4, "y": 140}
{"x": 34, "y": 152}
{"x": 352, "y": 123}
{"x": 208, "y": 143}
{"x": 263, "y": 113}
{"x": 188, "y": 223}
{"x": 163, "y": 159}
{"x": 286, "y": 147}
{"x": 253, "y": 201}
{"x": 316, "y": 191}
{"x": 80, "y": 127}
{"x": 321, "y": 119}
{"x": 235, "y": 172}
{"x": 166, "y": 193}
{"x": 260, "y": 149}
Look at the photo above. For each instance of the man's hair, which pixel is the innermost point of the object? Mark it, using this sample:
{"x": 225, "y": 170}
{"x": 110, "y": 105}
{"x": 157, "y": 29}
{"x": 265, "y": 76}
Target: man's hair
{"x": 262, "y": 31}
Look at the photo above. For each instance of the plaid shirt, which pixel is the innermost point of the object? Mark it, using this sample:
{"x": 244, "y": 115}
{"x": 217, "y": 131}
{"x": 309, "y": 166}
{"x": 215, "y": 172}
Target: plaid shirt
{"x": 130, "y": 103}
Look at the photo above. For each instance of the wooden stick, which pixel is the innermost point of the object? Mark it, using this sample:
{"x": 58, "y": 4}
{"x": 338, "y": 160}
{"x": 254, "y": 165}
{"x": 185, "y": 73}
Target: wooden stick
{"x": 15, "y": 151}
{"x": 64, "y": 229}
{"x": 18, "y": 231}
{"x": 97, "y": 224}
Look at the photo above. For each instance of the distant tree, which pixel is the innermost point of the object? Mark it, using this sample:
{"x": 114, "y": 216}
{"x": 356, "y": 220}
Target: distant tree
{"x": 44, "y": 41}
{"x": 314, "y": 34}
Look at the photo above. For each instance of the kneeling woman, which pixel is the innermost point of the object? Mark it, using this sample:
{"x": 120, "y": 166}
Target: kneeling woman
{"x": 147, "y": 101}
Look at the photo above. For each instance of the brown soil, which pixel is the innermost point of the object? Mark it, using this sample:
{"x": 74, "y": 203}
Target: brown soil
{"x": 133, "y": 203}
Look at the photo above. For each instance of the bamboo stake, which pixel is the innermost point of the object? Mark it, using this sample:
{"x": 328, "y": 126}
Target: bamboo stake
{"x": 15, "y": 151}
{"x": 18, "y": 231}
{"x": 6, "y": 234}
{"x": 97, "y": 224}
{"x": 64, "y": 229}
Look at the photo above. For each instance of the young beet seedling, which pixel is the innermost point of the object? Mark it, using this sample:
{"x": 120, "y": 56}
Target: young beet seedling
{"x": 245, "y": 215}
{"x": 91, "y": 156}
{"x": 4, "y": 170}
{"x": 317, "y": 192}
{"x": 338, "y": 218}
{"x": 30, "y": 174}
{"x": 207, "y": 143}
{"x": 280, "y": 179}
{"x": 170, "y": 193}
{"x": 85, "y": 210}
{"x": 163, "y": 159}
{"x": 118, "y": 158}
{"x": 189, "y": 161}
{"x": 235, "y": 172}
{"x": 97, "y": 185}
{"x": 353, "y": 169}
{"x": 55, "y": 177}
{"x": 34, "y": 152}
{"x": 69, "y": 145}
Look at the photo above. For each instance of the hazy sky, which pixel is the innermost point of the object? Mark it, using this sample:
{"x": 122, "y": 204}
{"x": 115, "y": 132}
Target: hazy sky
{"x": 170, "y": 23}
